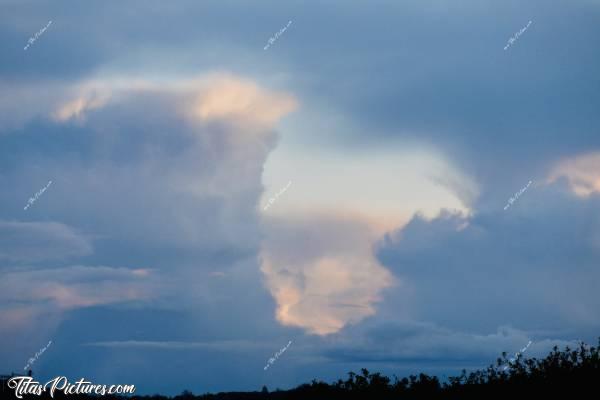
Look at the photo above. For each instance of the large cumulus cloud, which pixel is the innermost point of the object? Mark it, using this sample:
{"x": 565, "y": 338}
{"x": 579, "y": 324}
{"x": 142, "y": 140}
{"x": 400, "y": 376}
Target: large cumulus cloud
{"x": 476, "y": 285}
{"x": 156, "y": 185}
{"x": 532, "y": 266}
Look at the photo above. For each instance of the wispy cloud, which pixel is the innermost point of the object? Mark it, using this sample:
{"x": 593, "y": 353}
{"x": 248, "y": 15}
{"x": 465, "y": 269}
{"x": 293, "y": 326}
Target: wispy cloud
{"x": 41, "y": 241}
{"x": 221, "y": 345}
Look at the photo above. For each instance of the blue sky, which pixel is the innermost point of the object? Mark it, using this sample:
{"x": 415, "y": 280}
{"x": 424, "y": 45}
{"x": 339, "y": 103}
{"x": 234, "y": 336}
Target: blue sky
{"x": 400, "y": 130}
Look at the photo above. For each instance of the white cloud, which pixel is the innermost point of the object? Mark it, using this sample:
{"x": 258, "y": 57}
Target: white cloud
{"x": 323, "y": 288}
{"x": 385, "y": 186}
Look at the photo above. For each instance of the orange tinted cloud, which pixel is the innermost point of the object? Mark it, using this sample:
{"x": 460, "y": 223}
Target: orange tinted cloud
{"x": 228, "y": 97}
{"x": 216, "y": 96}
{"x": 74, "y": 287}
{"x": 582, "y": 173}
{"x": 327, "y": 277}
{"x": 78, "y": 107}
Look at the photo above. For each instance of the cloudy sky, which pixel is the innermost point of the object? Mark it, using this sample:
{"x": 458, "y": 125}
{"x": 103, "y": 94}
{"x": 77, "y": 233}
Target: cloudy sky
{"x": 406, "y": 186}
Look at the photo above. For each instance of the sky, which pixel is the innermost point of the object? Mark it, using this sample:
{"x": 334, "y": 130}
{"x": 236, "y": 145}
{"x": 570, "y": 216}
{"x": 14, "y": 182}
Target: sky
{"x": 189, "y": 186}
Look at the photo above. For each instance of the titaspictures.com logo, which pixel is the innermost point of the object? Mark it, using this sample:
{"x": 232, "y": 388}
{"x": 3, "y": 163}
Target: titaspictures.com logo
{"x": 26, "y": 385}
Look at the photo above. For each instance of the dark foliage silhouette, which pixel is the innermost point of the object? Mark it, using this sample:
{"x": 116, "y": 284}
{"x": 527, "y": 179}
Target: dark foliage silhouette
{"x": 567, "y": 374}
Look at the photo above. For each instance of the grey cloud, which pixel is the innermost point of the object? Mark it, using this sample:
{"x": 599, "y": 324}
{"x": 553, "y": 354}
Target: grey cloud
{"x": 76, "y": 286}
{"x": 171, "y": 197}
{"x": 426, "y": 344}
{"x": 39, "y": 241}
{"x": 222, "y": 345}
{"x": 531, "y": 266}
{"x": 154, "y": 177}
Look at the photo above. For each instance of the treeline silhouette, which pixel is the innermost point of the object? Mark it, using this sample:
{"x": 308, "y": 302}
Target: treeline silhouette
{"x": 568, "y": 374}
